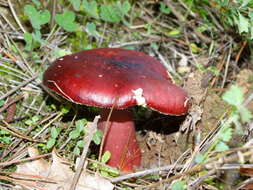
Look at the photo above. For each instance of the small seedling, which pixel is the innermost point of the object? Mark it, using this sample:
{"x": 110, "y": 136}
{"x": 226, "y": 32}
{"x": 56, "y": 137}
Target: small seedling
{"x": 164, "y": 9}
{"x": 67, "y": 21}
{"x": 105, "y": 170}
{"x": 91, "y": 8}
{"x": 37, "y": 18}
{"x": 52, "y": 140}
{"x": 32, "y": 121}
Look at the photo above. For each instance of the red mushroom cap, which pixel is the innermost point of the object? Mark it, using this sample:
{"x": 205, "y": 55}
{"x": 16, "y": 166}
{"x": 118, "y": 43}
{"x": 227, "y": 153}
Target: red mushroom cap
{"x": 109, "y": 77}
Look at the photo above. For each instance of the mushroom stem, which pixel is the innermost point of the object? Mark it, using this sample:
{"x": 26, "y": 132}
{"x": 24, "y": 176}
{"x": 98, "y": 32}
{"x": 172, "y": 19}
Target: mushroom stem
{"x": 120, "y": 139}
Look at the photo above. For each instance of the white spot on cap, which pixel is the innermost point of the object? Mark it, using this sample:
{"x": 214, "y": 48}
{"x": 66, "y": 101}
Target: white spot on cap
{"x": 76, "y": 57}
{"x": 116, "y": 85}
{"x": 100, "y": 76}
{"x": 59, "y": 66}
{"x": 139, "y": 98}
{"x": 61, "y": 59}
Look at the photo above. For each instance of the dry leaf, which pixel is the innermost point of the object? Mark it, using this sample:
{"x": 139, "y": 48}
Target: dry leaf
{"x": 55, "y": 176}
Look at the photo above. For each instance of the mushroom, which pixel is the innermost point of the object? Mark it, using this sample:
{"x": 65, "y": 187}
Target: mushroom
{"x": 117, "y": 79}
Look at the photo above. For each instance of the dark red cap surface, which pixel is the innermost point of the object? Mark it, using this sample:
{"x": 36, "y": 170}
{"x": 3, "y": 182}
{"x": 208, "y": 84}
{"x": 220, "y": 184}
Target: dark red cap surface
{"x": 108, "y": 77}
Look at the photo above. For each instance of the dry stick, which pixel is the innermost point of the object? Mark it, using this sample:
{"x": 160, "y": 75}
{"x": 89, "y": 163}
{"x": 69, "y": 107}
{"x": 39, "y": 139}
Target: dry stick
{"x": 243, "y": 184}
{"x": 147, "y": 41}
{"x": 8, "y": 22}
{"x": 145, "y": 172}
{"x": 18, "y": 141}
{"x": 227, "y": 65}
{"x": 220, "y": 66}
{"x": 8, "y": 163}
{"x": 91, "y": 130}
{"x": 105, "y": 131}
{"x": 18, "y": 87}
{"x": 15, "y": 16}
{"x": 208, "y": 165}
{"x": 240, "y": 51}
{"x": 53, "y": 11}
{"x": 196, "y": 183}
{"x": 16, "y": 133}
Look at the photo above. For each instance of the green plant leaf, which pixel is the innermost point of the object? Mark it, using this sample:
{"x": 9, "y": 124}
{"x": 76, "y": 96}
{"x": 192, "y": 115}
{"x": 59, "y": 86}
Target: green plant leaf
{"x": 37, "y": 18}
{"x": 76, "y": 4}
{"x": 245, "y": 3}
{"x": 29, "y": 122}
{"x": 243, "y": 23}
{"x": 199, "y": 158}
{"x": 50, "y": 143}
{"x": 164, "y": 9}
{"x": 60, "y": 53}
{"x": 245, "y": 114}
{"x": 80, "y": 125}
{"x": 35, "y": 118}
{"x": 77, "y": 151}
{"x": 6, "y": 140}
{"x": 55, "y": 132}
{"x": 67, "y": 21}
{"x": 194, "y": 48}
{"x": 174, "y": 32}
{"x": 221, "y": 146}
{"x": 251, "y": 31}
{"x": 108, "y": 172}
{"x": 251, "y": 16}
{"x": 1, "y": 103}
{"x": 80, "y": 143}
{"x": 178, "y": 185}
{"x": 74, "y": 134}
{"x": 234, "y": 96}
{"x": 91, "y": 29}
{"x": 28, "y": 41}
{"x": 65, "y": 108}
{"x": 37, "y": 36}
{"x": 91, "y": 8}
{"x": 37, "y": 3}
{"x": 108, "y": 13}
{"x": 106, "y": 156}
{"x": 226, "y": 134}
{"x": 97, "y": 137}
{"x": 124, "y": 8}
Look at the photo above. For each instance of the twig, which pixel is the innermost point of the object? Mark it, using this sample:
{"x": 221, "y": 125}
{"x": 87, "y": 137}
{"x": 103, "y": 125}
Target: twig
{"x": 210, "y": 165}
{"x": 198, "y": 181}
{"x": 19, "y": 86}
{"x": 16, "y": 133}
{"x": 15, "y": 16}
{"x": 240, "y": 51}
{"x": 249, "y": 99}
{"x": 244, "y": 183}
{"x": 145, "y": 172}
{"x": 91, "y": 130}
{"x": 8, "y": 163}
{"x": 227, "y": 65}
{"x": 142, "y": 42}
{"x": 18, "y": 141}
{"x": 106, "y": 129}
